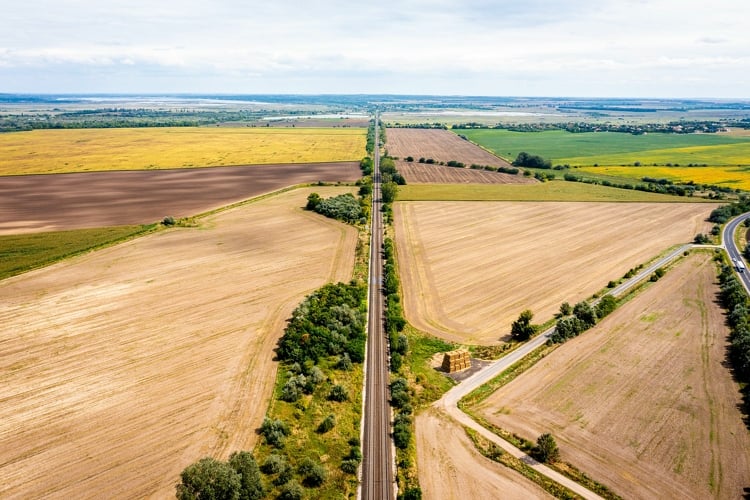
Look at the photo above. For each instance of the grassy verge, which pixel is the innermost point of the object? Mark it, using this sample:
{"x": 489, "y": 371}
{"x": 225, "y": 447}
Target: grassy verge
{"x": 426, "y": 385}
{"x": 305, "y": 441}
{"x": 429, "y": 384}
{"x": 557, "y": 190}
{"x": 495, "y": 453}
{"x": 23, "y": 252}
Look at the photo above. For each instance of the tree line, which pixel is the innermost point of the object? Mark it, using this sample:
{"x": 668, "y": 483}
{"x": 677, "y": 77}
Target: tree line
{"x": 673, "y": 127}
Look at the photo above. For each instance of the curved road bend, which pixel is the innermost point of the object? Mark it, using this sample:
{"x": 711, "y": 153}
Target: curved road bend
{"x": 377, "y": 464}
{"x": 727, "y": 239}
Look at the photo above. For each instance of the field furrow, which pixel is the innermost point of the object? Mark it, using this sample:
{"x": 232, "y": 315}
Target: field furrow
{"x": 470, "y": 268}
{"x": 121, "y": 367}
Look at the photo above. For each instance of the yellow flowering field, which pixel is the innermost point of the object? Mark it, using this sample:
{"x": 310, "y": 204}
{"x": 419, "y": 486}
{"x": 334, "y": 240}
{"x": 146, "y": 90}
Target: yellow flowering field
{"x": 733, "y": 177}
{"x": 84, "y": 150}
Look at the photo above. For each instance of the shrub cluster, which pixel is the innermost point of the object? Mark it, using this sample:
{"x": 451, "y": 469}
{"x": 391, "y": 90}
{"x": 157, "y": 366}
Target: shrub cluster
{"x": 329, "y": 322}
{"x": 725, "y": 212}
{"x": 370, "y": 146}
{"x": 584, "y": 316}
{"x": 527, "y": 160}
{"x": 274, "y": 431}
{"x": 238, "y": 478}
{"x": 389, "y": 173}
{"x": 344, "y": 207}
{"x": 394, "y": 315}
{"x": 351, "y": 462}
{"x": 366, "y": 166}
{"x": 401, "y": 401}
{"x": 651, "y": 187}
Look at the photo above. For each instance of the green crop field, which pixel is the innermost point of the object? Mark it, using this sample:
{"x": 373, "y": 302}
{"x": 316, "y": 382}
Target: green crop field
{"x": 23, "y": 252}
{"x": 547, "y": 191}
{"x": 611, "y": 148}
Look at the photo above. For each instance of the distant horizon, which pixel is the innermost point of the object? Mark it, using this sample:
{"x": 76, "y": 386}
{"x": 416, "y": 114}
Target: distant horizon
{"x": 366, "y": 94}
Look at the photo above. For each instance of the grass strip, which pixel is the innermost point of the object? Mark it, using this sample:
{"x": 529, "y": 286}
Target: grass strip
{"x": 496, "y": 454}
{"x": 20, "y": 253}
{"x": 556, "y": 190}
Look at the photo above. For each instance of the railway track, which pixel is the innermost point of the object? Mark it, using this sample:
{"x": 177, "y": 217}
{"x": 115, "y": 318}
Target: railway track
{"x": 377, "y": 464}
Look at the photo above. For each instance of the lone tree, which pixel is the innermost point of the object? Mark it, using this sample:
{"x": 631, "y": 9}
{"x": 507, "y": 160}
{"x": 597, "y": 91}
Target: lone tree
{"x": 522, "y": 329}
{"x": 546, "y": 448}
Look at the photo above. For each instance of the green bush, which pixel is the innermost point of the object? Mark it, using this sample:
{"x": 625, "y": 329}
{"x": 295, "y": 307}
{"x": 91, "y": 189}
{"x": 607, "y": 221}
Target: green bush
{"x": 274, "y": 432}
{"x": 338, "y": 393}
{"x": 327, "y": 424}
{"x": 273, "y": 464}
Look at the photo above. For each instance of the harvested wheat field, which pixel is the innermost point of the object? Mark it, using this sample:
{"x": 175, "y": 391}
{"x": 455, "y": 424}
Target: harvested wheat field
{"x": 123, "y": 366}
{"x": 643, "y": 402}
{"x": 35, "y": 203}
{"x": 422, "y": 173}
{"x": 450, "y": 468}
{"x": 469, "y": 268}
{"x": 86, "y": 150}
{"x": 440, "y": 145}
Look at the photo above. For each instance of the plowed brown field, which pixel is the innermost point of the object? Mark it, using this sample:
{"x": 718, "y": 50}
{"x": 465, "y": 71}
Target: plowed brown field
{"x": 34, "y": 203}
{"x": 440, "y": 145}
{"x": 422, "y": 173}
{"x": 121, "y": 367}
{"x": 450, "y": 468}
{"x": 643, "y": 401}
{"x": 469, "y": 268}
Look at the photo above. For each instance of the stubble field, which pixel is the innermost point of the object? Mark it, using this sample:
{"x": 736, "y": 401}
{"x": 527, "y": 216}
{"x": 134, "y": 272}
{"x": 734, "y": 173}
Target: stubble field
{"x": 121, "y": 367}
{"x": 86, "y": 150}
{"x": 643, "y": 402}
{"x": 422, "y": 173}
{"x": 469, "y": 268}
{"x": 450, "y": 468}
{"x": 440, "y": 145}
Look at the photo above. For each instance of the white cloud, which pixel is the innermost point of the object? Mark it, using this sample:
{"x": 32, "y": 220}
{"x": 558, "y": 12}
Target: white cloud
{"x": 364, "y": 47}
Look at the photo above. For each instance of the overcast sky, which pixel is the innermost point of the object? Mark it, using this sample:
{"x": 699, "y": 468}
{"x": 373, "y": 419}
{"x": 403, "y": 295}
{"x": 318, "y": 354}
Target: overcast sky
{"x": 627, "y": 48}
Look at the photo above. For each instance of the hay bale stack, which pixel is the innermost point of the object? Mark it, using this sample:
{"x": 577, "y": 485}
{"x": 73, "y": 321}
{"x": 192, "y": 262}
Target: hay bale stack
{"x": 455, "y": 361}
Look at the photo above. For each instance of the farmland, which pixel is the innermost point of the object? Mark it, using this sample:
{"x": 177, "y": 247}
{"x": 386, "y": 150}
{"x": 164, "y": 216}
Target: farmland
{"x": 608, "y": 148}
{"x": 36, "y": 203}
{"x": 468, "y": 269}
{"x": 643, "y": 401}
{"x": 731, "y": 177}
{"x": 450, "y": 467}
{"x": 86, "y": 150}
{"x": 547, "y": 191}
{"x": 421, "y": 173}
{"x": 440, "y": 145}
{"x": 123, "y": 366}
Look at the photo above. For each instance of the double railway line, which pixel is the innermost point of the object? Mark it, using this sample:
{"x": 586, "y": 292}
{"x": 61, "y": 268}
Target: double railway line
{"x": 377, "y": 465}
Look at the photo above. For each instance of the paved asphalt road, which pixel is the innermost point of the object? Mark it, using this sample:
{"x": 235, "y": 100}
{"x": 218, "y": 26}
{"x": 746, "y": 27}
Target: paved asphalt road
{"x": 735, "y": 254}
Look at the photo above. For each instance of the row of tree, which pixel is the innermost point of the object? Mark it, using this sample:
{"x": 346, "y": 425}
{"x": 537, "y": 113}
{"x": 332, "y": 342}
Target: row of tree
{"x": 674, "y": 127}
{"x": 651, "y": 187}
{"x": 735, "y": 301}
{"x": 394, "y": 314}
{"x": 723, "y": 213}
